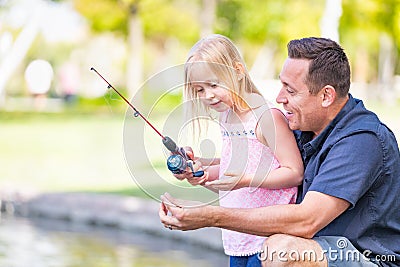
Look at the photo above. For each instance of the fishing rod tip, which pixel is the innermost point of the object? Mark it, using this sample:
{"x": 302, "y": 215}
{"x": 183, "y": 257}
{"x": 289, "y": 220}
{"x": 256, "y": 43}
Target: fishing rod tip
{"x": 92, "y": 68}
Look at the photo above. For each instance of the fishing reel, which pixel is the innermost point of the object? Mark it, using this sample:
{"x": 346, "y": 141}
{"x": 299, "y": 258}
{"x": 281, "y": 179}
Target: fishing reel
{"x": 179, "y": 161}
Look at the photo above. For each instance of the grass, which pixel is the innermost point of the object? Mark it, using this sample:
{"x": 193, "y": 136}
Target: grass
{"x": 81, "y": 152}
{"x": 62, "y": 153}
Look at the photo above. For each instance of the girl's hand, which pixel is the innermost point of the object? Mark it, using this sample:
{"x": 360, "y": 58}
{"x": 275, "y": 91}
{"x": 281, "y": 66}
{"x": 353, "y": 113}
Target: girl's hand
{"x": 188, "y": 175}
{"x": 230, "y": 181}
{"x": 197, "y": 180}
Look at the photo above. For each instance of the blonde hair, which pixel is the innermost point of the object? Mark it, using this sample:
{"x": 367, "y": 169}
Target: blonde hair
{"x": 223, "y": 59}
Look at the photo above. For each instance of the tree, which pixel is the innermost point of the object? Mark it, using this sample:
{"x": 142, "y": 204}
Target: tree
{"x": 207, "y": 16}
{"x": 330, "y": 19}
{"x": 370, "y": 32}
{"x": 18, "y": 50}
{"x": 267, "y": 26}
{"x": 140, "y": 20}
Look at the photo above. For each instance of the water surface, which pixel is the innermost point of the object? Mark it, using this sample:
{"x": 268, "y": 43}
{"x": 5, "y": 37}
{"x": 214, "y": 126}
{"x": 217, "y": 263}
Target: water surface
{"x": 44, "y": 243}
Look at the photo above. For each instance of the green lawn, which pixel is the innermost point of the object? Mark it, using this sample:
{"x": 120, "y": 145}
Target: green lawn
{"x": 79, "y": 152}
{"x": 68, "y": 152}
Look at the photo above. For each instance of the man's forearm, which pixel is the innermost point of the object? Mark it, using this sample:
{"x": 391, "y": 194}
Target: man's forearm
{"x": 315, "y": 212}
{"x": 265, "y": 221}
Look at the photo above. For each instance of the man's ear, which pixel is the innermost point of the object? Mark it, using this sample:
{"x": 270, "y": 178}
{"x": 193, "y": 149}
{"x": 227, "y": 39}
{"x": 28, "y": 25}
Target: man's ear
{"x": 328, "y": 96}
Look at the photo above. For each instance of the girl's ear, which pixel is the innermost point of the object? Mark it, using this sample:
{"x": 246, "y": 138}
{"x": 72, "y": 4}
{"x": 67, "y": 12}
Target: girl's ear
{"x": 239, "y": 70}
{"x": 328, "y": 95}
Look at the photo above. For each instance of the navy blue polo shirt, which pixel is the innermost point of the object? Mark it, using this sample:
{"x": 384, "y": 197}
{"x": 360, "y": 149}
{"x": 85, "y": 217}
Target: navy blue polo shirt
{"x": 357, "y": 158}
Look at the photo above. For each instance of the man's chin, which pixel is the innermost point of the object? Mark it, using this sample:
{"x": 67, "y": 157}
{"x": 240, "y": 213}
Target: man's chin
{"x": 293, "y": 126}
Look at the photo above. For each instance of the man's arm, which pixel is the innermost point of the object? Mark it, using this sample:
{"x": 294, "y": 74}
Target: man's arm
{"x": 304, "y": 220}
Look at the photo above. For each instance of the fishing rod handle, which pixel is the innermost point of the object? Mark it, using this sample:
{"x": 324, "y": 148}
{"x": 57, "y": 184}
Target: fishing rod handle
{"x": 170, "y": 144}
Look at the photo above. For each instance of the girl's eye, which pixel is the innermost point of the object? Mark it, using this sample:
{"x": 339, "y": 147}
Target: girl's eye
{"x": 214, "y": 85}
{"x": 199, "y": 90}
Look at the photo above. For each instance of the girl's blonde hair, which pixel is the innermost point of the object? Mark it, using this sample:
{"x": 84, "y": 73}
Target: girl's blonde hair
{"x": 223, "y": 58}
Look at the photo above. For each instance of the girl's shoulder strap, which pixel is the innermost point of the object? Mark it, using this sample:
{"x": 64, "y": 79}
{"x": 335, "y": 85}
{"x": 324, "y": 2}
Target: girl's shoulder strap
{"x": 223, "y": 117}
{"x": 268, "y": 106}
{"x": 259, "y": 111}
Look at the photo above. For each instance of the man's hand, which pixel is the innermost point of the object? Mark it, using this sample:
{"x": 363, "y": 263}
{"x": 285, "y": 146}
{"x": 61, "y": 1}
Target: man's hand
{"x": 183, "y": 214}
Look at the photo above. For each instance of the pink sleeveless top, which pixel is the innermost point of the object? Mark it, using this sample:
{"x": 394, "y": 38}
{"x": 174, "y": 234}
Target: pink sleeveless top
{"x": 241, "y": 151}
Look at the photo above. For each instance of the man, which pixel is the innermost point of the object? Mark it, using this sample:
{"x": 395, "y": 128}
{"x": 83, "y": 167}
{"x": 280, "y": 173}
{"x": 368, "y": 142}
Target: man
{"x": 348, "y": 207}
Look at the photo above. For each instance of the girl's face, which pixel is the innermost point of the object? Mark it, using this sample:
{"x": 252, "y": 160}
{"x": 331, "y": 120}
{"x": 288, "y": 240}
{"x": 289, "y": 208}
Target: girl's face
{"x": 212, "y": 92}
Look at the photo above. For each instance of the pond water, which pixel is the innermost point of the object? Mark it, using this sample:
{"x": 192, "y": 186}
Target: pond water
{"x": 44, "y": 243}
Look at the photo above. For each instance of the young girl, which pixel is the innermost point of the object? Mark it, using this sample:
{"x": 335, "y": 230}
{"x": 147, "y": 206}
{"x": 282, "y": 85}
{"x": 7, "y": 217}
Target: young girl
{"x": 260, "y": 164}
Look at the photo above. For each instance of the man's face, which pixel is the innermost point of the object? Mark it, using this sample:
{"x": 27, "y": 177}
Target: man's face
{"x": 304, "y": 110}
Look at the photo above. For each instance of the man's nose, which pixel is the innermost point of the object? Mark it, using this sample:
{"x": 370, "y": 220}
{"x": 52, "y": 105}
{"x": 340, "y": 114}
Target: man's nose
{"x": 281, "y": 97}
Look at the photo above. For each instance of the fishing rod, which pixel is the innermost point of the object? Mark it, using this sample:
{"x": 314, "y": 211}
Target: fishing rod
{"x": 179, "y": 160}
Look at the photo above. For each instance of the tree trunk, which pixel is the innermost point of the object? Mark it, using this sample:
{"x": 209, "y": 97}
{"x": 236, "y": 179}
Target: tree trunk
{"x": 17, "y": 53}
{"x": 386, "y": 70}
{"x": 207, "y": 17}
{"x": 135, "y": 52}
{"x": 330, "y": 19}
{"x": 263, "y": 67}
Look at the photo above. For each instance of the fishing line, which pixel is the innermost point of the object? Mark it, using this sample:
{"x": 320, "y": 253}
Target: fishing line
{"x": 137, "y": 113}
{"x": 179, "y": 160}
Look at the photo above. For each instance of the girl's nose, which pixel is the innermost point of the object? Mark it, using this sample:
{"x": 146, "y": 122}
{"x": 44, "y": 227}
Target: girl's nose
{"x": 209, "y": 94}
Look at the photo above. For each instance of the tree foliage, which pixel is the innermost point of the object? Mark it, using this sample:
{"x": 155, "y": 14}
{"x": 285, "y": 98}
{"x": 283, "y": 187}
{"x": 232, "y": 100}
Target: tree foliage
{"x": 364, "y": 22}
{"x": 104, "y": 15}
{"x": 259, "y": 21}
{"x": 160, "y": 18}
{"x": 255, "y": 22}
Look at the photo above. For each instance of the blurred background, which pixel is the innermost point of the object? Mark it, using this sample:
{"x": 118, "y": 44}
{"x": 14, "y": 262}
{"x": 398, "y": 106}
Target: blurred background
{"x": 61, "y": 129}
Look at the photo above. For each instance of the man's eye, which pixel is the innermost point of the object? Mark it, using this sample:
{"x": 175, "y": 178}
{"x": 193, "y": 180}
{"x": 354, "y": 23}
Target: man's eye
{"x": 289, "y": 90}
{"x": 214, "y": 85}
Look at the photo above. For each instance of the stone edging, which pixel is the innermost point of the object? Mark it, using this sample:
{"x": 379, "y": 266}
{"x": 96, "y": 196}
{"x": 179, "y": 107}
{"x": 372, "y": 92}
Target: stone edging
{"x": 127, "y": 213}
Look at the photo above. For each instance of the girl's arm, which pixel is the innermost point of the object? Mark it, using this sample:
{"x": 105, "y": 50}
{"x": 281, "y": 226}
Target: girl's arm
{"x": 276, "y": 134}
{"x": 273, "y": 131}
{"x": 208, "y": 161}
{"x": 212, "y": 174}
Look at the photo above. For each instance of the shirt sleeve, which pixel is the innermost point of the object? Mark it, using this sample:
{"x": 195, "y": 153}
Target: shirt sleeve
{"x": 350, "y": 168}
